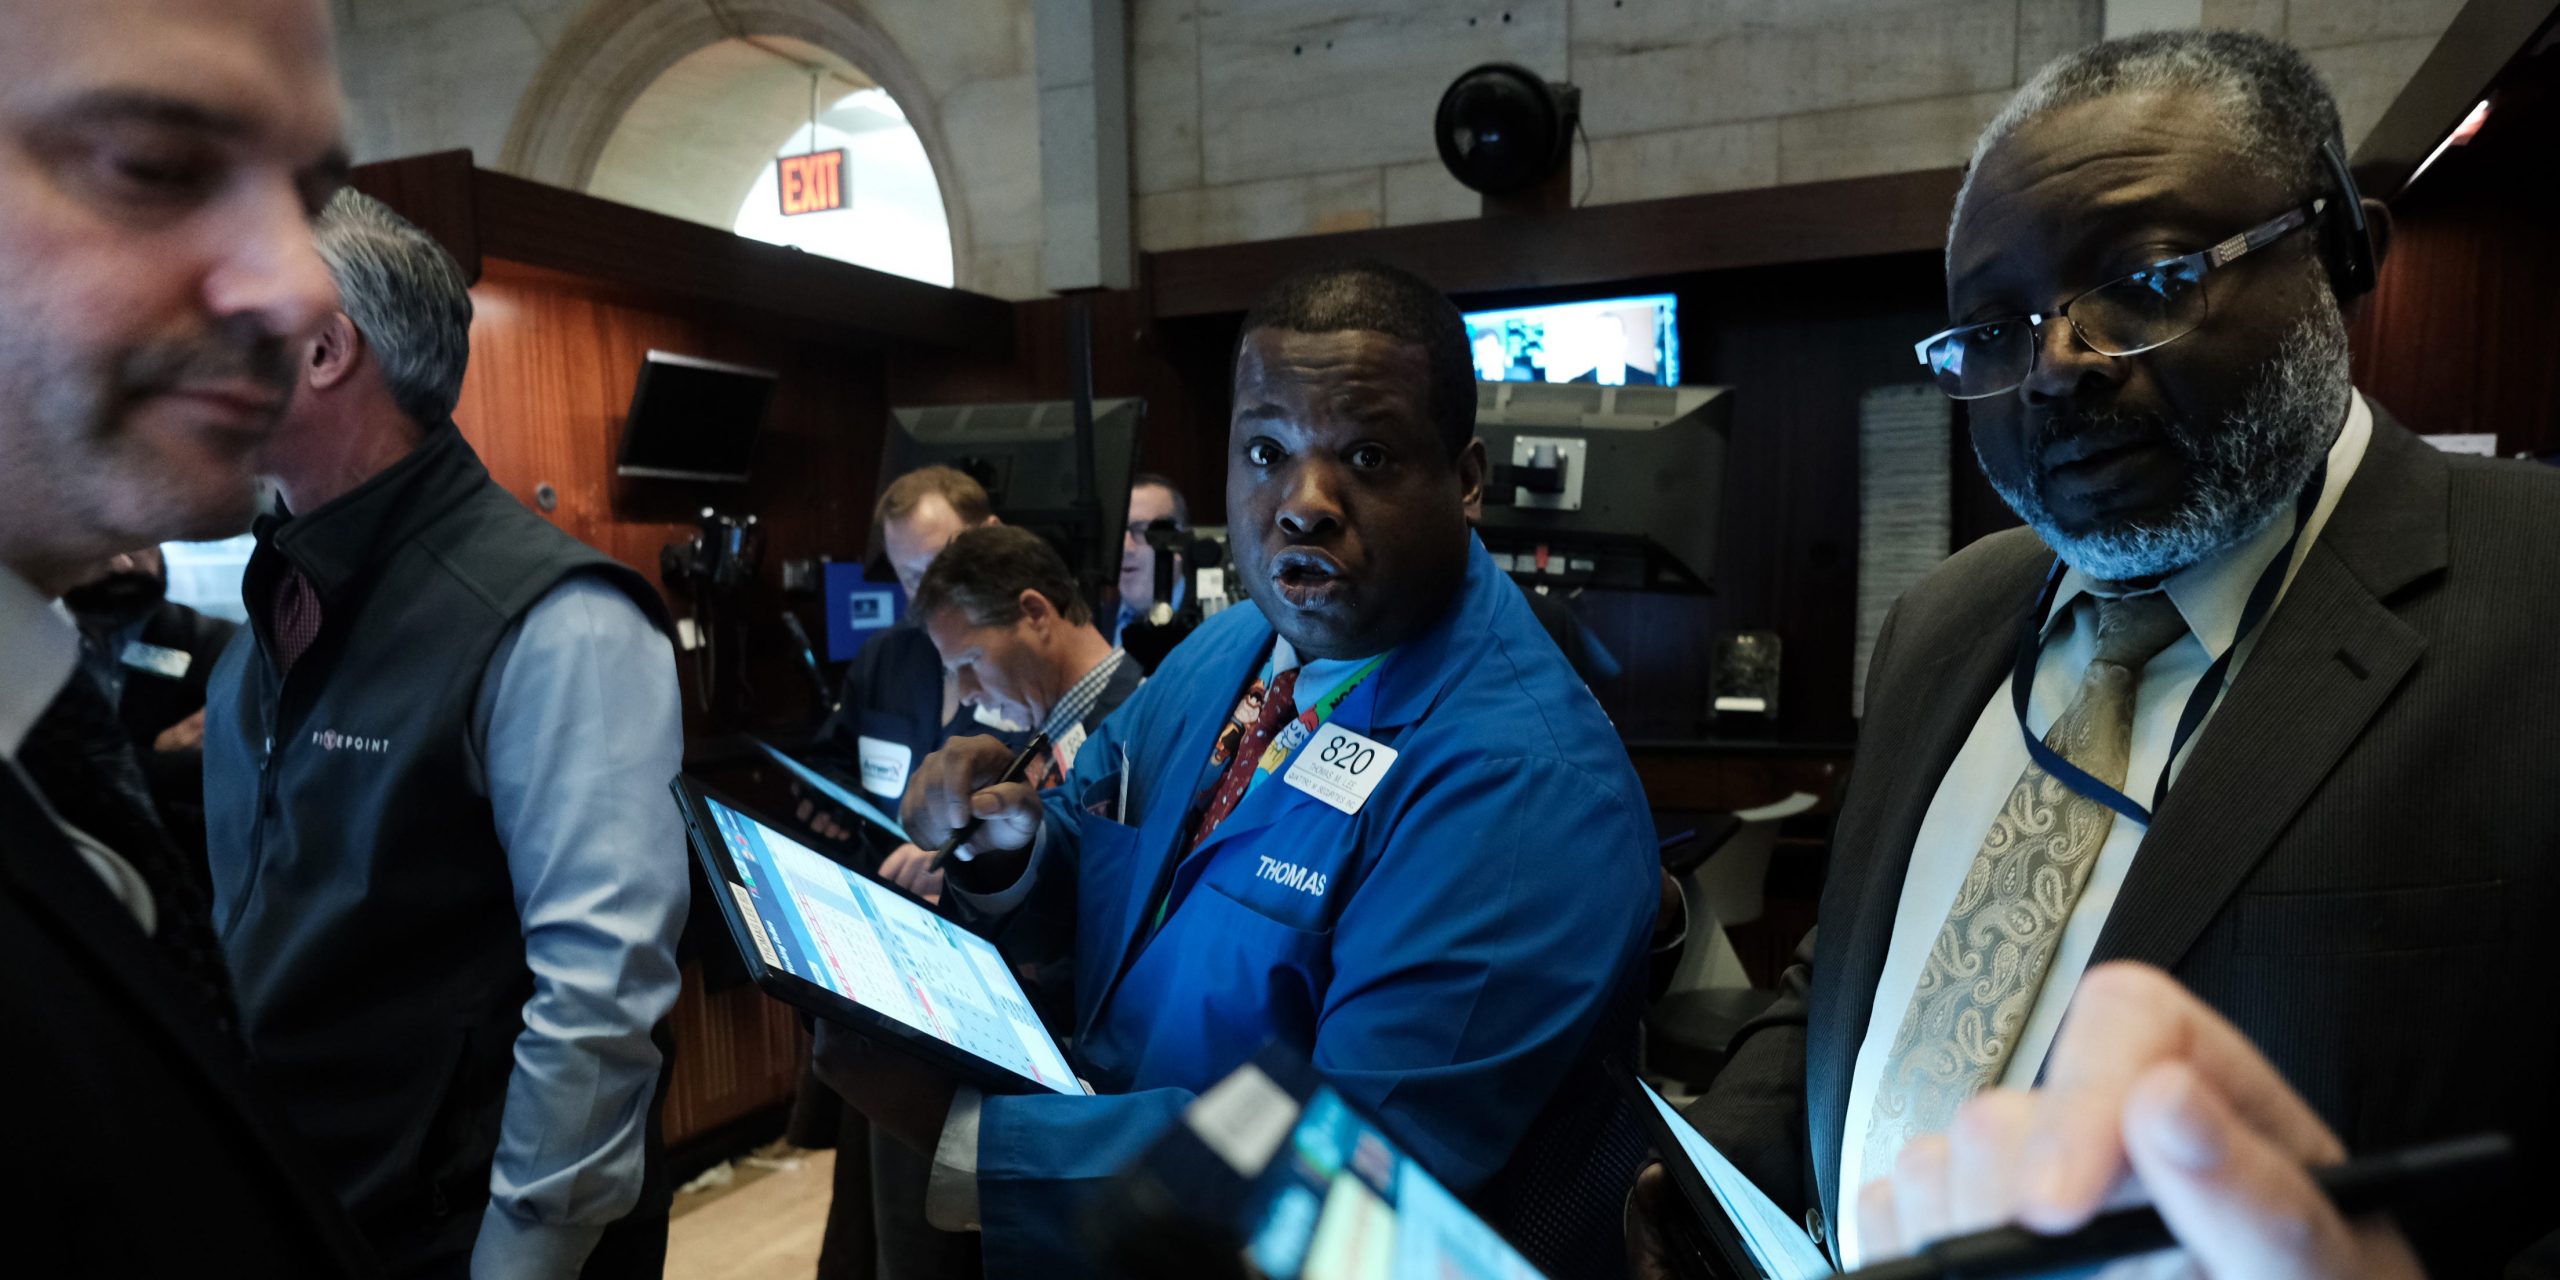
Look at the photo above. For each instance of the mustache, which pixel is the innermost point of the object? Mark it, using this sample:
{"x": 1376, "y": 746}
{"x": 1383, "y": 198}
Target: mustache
{"x": 238, "y": 349}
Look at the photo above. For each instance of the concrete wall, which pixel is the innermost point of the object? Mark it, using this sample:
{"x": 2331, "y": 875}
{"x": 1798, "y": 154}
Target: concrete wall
{"x": 537, "y": 88}
{"x": 1263, "y": 118}
{"x": 1253, "y": 119}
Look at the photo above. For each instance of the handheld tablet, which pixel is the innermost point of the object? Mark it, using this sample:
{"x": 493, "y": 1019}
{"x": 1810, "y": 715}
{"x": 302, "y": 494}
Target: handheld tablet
{"x": 858, "y": 952}
{"x": 1733, "y": 1231}
{"x": 1271, "y": 1174}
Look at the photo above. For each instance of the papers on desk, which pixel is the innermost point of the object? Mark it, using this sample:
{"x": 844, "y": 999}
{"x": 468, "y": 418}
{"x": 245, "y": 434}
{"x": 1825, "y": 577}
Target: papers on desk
{"x": 842, "y": 795}
{"x": 1780, "y": 1247}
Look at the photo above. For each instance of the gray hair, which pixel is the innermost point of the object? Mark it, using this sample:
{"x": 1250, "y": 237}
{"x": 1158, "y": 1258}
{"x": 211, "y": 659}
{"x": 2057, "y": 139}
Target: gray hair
{"x": 2273, "y": 102}
{"x": 406, "y": 296}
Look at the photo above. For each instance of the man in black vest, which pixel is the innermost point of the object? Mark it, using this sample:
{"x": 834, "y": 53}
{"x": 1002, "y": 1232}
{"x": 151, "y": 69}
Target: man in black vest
{"x": 142, "y": 359}
{"x": 446, "y": 873}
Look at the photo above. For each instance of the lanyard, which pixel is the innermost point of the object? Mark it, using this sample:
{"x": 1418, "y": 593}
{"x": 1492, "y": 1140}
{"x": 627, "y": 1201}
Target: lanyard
{"x": 2262, "y": 597}
{"x": 1283, "y": 744}
{"x": 1286, "y": 743}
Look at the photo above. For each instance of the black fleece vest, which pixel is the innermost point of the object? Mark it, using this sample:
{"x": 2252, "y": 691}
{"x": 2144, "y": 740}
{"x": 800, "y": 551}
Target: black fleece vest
{"x": 360, "y": 890}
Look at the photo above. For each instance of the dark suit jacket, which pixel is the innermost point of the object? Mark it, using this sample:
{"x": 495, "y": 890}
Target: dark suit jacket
{"x": 152, "y": 702}
{"x": 135, "y": 1144}
{"x": 2359, "y": 864}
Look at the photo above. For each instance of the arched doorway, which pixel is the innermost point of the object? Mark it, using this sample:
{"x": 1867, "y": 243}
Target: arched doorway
{"x": 706, "y": 84}
{"x": 700, "y": 143}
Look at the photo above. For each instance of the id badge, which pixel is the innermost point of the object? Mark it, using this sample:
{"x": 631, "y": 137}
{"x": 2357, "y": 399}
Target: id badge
{"x": 1340, "y": 767}
{"x": 158, "y": 660}
{"x": 884, "y": 766}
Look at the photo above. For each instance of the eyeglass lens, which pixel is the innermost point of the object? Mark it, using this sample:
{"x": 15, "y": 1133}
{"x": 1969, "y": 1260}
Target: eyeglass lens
{"x": 2156, "y": 305}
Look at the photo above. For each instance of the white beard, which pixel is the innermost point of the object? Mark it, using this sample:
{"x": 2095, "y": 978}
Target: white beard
{"x": 2243, "y": 473}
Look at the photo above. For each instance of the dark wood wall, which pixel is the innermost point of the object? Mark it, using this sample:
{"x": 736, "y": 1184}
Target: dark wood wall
{"x": 2460, "y": 333}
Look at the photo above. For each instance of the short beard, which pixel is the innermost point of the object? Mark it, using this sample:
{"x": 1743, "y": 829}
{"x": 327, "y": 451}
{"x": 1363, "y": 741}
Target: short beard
{"x": 2242, "y": 473}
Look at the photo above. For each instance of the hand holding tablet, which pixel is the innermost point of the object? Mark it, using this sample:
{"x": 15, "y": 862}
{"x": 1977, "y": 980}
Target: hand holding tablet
{"x": 863, "y": 955}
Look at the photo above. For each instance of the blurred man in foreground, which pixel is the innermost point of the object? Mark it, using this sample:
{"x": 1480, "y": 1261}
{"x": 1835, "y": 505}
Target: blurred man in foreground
{"x": 159, "y": 164}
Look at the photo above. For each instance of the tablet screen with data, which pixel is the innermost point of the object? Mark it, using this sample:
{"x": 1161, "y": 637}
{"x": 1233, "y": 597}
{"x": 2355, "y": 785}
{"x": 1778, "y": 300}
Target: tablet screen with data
{"x": 861, "y": 953}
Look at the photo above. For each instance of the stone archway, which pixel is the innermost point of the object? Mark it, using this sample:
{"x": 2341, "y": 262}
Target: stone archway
{"x": 617, "y": 49}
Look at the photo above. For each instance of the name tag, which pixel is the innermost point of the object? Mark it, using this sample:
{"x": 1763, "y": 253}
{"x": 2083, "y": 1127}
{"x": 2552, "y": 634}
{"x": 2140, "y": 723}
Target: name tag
{"x": 1340, "y": 767}
{"x": 884, "y": 767}
{"x": 1067, "y": 744}
{"x": 172, "y": 663}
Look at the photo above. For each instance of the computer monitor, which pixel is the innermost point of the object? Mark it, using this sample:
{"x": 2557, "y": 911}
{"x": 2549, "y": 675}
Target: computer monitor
{"x": 694, "y": 419}
{"x": 1610, "y": 342}
{"x": 1025, "y": 455}
{"x": 1614, "y": 487}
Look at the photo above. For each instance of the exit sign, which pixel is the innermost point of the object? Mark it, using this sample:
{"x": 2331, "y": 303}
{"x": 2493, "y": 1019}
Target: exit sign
{"x": 813, "y": 183}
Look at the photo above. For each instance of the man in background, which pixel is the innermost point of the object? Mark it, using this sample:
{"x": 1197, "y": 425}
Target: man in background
{"x": 897, "y": 707}
{"x": 896, "y": 699}
{"x": 1151, "y": 498}
{"x": 158, "y": 164}
{"x": 446, "y": 872}
{"x": 151, "y": 656}
{"x": 1002, "y": 609}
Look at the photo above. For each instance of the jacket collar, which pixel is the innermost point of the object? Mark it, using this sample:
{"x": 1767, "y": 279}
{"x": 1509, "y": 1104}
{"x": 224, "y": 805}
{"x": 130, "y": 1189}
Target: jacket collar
{"x": 340, "y": 543}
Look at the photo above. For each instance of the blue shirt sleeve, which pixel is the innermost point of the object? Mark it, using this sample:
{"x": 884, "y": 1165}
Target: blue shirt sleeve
{"x": 580, "y": 729}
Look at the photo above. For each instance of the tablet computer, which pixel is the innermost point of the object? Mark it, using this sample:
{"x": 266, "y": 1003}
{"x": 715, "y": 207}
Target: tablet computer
{"x": 1272, "y": 1174}
{"x": 860, "y": 952}
{"x": 1732, "y": 1231}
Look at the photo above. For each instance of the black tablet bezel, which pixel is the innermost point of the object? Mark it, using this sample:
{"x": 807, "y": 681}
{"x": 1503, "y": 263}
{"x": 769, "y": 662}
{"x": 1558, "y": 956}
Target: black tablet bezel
{"x": 1717, "y": 1252}
{"x": 702, "y": 832}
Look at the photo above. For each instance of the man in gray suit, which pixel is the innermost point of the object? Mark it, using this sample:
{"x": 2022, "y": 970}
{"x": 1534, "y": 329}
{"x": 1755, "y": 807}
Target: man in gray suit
{"x": 2262, "y": 702}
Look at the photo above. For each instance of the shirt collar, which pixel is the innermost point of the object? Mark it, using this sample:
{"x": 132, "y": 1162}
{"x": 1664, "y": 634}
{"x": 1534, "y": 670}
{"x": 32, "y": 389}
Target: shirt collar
{"x": 2213, "y": 594}
{"x": 41, "y": 649}
{"x": 1080, "y": 696}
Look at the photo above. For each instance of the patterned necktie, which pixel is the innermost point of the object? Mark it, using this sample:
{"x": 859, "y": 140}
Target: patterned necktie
{"x": 296, "y": 620}
{"x": 1988, "y": 962}
{"x": 1279, "y": 707}
{"x": 81, "y": 760}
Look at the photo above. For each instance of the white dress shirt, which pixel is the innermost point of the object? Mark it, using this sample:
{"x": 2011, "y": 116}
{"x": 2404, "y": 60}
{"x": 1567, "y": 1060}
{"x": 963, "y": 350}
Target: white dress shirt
{"x": 2211, "y": 597}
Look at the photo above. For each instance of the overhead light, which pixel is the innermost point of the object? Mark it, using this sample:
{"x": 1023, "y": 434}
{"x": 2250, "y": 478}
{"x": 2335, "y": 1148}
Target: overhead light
{"x": 2460, "y": 137}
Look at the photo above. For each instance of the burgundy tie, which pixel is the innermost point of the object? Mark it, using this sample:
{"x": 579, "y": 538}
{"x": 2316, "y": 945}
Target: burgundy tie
{"x": 1279, "y": 707}
{"x": 296, "y": 619}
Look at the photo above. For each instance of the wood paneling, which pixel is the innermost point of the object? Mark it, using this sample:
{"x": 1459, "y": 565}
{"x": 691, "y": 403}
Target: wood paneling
{"x": 1806, "y": 222}
{"x": 479, "y": 214}
{"x": 553, "y": 361}
{"x": 2459, "y": 335}
{"x": 737, "y": 1051}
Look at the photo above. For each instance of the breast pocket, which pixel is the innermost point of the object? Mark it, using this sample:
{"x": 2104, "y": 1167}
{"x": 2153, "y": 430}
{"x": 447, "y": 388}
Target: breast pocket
{"x": 2372, "y": 921}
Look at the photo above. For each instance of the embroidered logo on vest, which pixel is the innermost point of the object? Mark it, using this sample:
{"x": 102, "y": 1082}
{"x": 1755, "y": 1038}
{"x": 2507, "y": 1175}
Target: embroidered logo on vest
{"x": 332, "y": 740}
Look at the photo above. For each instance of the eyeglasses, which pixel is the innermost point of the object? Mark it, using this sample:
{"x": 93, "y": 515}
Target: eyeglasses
{"x": 2151, "y": 308}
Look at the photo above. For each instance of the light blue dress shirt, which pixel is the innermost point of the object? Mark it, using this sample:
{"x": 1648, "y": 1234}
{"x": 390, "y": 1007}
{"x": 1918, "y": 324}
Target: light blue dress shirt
{"x": 578, "y": 731}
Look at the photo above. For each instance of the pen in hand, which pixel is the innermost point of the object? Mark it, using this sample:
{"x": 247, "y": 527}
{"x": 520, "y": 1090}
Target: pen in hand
{"x": 1014, "y": 772}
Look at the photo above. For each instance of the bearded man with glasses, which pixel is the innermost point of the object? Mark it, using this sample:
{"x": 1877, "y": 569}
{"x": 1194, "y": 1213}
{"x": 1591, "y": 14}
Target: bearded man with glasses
{"x": 2239, "y": 754}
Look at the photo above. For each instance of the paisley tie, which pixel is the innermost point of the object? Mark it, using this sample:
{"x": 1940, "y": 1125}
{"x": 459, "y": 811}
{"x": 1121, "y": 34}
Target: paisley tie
{"x": 1987, "y": 965}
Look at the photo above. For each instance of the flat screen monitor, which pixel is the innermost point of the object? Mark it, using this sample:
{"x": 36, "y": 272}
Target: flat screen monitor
{"x": 1025, "y": 455}
{"x": 1609, "y": 342}
{"x": 694, "y": 419}
{"x": 1637, "y": 479}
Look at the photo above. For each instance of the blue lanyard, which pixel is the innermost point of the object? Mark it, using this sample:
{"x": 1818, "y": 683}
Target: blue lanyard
{"x": 2262, "y": 597}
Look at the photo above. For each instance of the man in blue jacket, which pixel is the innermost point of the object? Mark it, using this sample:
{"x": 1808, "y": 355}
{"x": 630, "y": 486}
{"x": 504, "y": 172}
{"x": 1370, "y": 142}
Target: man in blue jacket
{"x": 1376, "y": 817}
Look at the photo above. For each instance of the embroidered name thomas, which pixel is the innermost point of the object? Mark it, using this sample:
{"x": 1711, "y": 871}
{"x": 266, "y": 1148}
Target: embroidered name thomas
{"x": 1293, "y": 876}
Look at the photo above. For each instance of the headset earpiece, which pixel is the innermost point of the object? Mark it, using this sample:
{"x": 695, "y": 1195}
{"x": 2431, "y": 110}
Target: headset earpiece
{"x": 2346, "y": 241}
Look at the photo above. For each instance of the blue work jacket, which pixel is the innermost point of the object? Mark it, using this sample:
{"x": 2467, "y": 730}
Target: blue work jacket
{"x": 1445, "y": 956}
